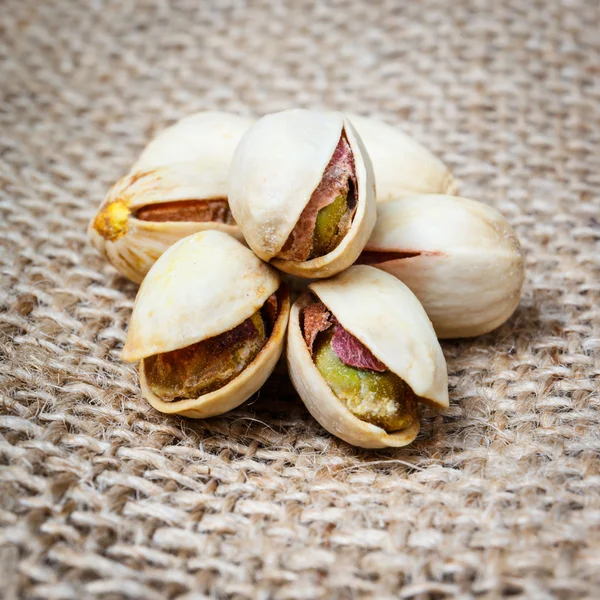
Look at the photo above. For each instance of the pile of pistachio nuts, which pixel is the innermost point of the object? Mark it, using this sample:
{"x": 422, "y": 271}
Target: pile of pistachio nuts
{"x": 223, "y": 218}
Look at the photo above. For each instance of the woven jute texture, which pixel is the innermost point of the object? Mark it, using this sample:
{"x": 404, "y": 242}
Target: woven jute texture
{"x": 102, "y": 497}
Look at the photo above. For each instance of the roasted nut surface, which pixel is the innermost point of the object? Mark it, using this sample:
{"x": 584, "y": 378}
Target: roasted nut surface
{"x": 367, "y": 387}
{"x": 207, "y": 365}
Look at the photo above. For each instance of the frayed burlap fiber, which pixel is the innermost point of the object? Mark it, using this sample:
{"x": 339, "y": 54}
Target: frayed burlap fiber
{"x": 102, "y": 497}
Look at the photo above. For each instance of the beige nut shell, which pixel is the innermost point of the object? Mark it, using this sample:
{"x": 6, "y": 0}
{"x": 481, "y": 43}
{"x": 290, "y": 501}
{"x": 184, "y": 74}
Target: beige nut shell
{"x": 278, "y": 164}
{"x": 187, "y": 161}
{"x": 402, "y": 166}
{"x": 208, "y": 137}
{"x": 202, "y": 286}
{"x": 384, "y": 315}
{"x": 468, "y": 270}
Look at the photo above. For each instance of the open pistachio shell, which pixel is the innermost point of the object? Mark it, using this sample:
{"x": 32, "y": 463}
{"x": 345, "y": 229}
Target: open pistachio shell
{"x": 402, "y": 166}
{"x": 460, "y": 257}
{"x": 385, "y": 316}
{"x": 278, "y": 165}
{"x": 203, "y": 286}
{"x": 177, "y": 187}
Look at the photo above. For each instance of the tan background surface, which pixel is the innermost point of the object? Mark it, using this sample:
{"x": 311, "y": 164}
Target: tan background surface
{"x": 101, "y": 497}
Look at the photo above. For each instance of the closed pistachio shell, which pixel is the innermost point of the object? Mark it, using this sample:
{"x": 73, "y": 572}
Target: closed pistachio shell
{"x": 386, "y": 317}
{"x": 460, "y": 257}
{"x": 204, "y": 286}
{"x": 208, "y": 137}
{"x": 402, "y": 166}
{"x": 276, "y": 169}
{"x": 177, "y": 187}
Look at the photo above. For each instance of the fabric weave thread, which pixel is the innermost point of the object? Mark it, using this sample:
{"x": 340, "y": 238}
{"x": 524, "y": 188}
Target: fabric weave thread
{"x": 101, "y": 497}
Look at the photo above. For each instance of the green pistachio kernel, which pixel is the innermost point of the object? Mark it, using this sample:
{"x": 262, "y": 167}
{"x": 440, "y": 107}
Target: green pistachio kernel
{"x": 382, "y": 399}
{"x": 203, "y": 367}
{"x": 327, "y": 230}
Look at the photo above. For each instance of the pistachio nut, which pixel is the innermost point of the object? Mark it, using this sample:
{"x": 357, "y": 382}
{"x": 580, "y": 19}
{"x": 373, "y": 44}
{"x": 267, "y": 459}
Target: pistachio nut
{"x": 301, "y": 189}
{"x": 363, "y": 355}
{"x": 460, "y": 257}
{"x": 402, "y": 166}
{"x": 208, "y": 326}
{"x": 177, "y": 187}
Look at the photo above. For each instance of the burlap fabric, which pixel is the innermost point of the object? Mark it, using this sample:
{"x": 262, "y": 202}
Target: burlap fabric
{"x": 102, "y": 497}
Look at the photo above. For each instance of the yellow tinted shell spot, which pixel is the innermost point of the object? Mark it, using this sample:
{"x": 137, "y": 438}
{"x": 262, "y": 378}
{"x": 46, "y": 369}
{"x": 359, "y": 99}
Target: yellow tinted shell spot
{"x": 112, "y": 221}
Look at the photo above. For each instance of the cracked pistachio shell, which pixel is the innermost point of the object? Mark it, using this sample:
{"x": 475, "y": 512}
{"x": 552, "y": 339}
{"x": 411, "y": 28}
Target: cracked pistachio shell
{"x": 467, "y": 267}
{"x": 402, "y": 166}
{"x": 277, "y": 166}
{"x": 202, "y": 286}
{"x": 388, "y": 319}
{"x": 187, "y": 161}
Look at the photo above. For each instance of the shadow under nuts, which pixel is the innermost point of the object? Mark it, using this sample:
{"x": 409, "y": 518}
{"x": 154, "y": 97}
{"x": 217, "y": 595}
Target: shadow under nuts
{"x": 208, "y": 326}
{"x": 177, "y": 187}
{"x": 301, "y": 189}
{"x": 363, "y": 355}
